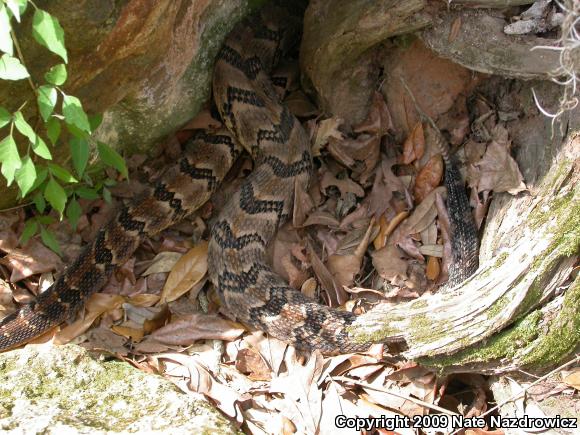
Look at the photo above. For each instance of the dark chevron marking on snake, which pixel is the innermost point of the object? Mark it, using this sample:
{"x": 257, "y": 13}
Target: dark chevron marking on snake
{"x": 237, "y": 259}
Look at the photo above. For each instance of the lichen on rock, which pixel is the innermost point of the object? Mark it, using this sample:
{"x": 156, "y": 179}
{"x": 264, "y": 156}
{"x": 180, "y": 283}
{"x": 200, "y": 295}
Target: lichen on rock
{"x": 47, "y": 389}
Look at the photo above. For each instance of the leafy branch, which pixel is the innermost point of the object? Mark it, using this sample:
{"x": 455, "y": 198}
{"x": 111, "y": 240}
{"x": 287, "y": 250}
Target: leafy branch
{"x": 49, "y": 185}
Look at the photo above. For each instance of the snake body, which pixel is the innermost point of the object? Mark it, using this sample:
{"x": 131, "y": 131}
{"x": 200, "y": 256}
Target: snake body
{"x": 258, "y": 122}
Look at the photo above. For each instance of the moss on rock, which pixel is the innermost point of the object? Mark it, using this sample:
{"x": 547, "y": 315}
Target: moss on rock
{"x": 53, "y": 389}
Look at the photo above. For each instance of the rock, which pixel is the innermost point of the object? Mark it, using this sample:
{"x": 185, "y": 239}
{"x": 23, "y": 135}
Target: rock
{"x": 48, "y": 389}
{"x": 146, "y": 65}
{"x": 338, "y": 55}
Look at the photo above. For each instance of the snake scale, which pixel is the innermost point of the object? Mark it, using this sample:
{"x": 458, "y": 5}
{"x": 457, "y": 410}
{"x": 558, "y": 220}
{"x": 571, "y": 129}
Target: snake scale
{"x": 258, "y": 122}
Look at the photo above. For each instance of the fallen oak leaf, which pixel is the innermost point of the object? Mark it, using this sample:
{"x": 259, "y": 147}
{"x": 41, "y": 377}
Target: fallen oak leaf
{"x": 345, "y": 185}
{"x": 388, "y": 263}
{"x": 250, "y": 363}
{"x": 497, "y": 171}
{"x": 31, "y": 259}
{"x": 188, "y": 329}
{"x": 327, "y": 128}
{"x": 190, "y": 269}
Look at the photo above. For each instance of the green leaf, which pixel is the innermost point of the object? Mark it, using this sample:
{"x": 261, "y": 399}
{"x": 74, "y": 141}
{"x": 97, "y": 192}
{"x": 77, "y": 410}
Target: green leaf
{"x": 38, "y": 145}
{"x": 107, "y": 195}
{"x": 17, "y": 7}
{"x": 73, "y": 212}
{"x": 87, "y": 193}
{"x": 45, "y": 220}
{"x": 39, "y": 202}
{"x": 79, "y": 149}
{"x": 49, "y": 240}
{"x": 9, "y": 158}
{"x": 48, "y": 32}
{"x": 26, "y": 175}
{"x": 11, "y": 68}
{"x": 30, "y": 229}
{"x": 112, "y": 158}
{"x": 24, "y": 127}
{"x": 56, "y": 75}
{"x": 41, "y": 175}
{"x": 95, "y": 121}
{"x": 73, "y": 112}
{"x": 46, "y": 100}
{"x": 61, "y": 173}
{"x": 5, "y": 38}
{"x": 77, "y": 132}
{"x": 53, "y": 129}
{"x": 40, "y": 149}
{"x": 55, "y": 195}
{"x": 5, "y": 117}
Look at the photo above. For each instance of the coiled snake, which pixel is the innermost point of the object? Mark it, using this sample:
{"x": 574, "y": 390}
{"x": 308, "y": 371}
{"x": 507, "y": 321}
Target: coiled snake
{"x": 259, "y": 123}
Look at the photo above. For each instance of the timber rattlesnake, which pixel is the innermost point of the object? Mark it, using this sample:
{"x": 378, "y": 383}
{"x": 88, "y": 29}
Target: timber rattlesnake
{"x": 260, "y": 124}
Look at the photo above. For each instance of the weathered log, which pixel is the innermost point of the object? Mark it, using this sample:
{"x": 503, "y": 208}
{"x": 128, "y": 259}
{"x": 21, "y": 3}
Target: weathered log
{"x": 476, "y": 40}
{"x": 497, "y": 320}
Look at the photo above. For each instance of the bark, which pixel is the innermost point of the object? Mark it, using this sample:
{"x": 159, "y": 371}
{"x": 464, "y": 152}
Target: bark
{"x": 497, "y": 321}
{"x": 476, "y": 40}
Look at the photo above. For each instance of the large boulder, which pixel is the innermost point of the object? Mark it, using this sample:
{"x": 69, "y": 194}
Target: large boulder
{"x": 146, "y": 65}
{"x": 47, "y": 389}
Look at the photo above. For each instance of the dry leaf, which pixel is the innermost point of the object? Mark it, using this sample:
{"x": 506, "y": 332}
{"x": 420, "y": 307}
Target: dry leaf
{"x": 327, "y": 128}
{"x": 428, "y": 178}
{"x": 303, "y": 204}
{"x": 29, "y": 260}
{"x": 163, "y": 262}
{"x": 321, "y": 217}
{"x": 344, "y": 268}
{"x": 187, "y": 271}
{"x": 387, "y": 228}
{"x": 378, "y": 121}
{"x": 414, "y": 145}
{"x": 385, "y": 184}
{"x": 425, "y": 212}
{"x": 194, "y": 327}
{"x": 97, "y": 304}
{"x": 251, "y": 363}
{"x": 433, "y": 269}
{"x": 360, "y": 154}
{"x": 345, "y": 185}
{"x": 144, "y": 300}
{"x": 572, "y": 377}
{"x": 497, "y": 171}
{"x": 299, "y": 386}
{"x": 300, "y": 105}
{"x": 336, "y": 295}
{"x": 455, "y": 28}
{"x": 388, "y": 263}
{"x": 135, "y": 334}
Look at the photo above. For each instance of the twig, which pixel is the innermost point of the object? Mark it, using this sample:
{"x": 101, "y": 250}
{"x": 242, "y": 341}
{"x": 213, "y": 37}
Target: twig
{"x": 401, "y": 396}
{"x": 526, "y": 388}
{"x": 21, "y": 57}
